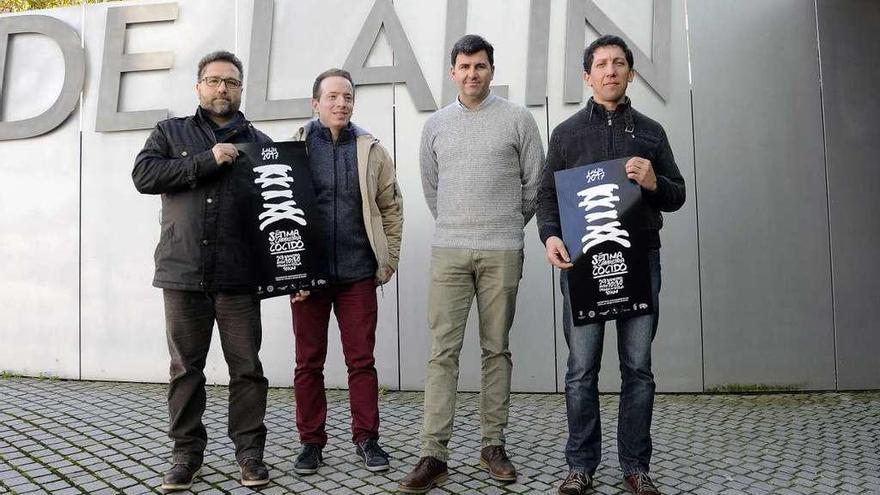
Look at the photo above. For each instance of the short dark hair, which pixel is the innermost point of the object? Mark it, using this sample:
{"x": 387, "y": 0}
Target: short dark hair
{"x": 606, "y": 40}
{"x": 470, "y": 44}
{"x": 334, "y": 72}
{"x": 220, "y": 56}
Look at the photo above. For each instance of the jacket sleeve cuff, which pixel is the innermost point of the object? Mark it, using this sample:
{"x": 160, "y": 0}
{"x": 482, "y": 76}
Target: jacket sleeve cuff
{"x": 204, "y": 165}
{"x": 652, "y": 197}
{"x": 548, "y": 231}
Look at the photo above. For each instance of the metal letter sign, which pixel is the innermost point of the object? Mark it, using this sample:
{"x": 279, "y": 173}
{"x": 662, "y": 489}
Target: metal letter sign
{"x": 406, "y": 69}
{"x": 117, "y": 62}
{"x": 654, "y": 69}
{"x": 74, "y": 73}
{"x": 257, "y": 102}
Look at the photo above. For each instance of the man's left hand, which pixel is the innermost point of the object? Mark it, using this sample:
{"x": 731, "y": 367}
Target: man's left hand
{"x": 641, "y": 171}
{"x": 384, "y": 276}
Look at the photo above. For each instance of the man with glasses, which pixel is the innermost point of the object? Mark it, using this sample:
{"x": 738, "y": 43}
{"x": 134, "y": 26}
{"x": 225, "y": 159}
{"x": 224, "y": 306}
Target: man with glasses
{"x": 203, "y": 270}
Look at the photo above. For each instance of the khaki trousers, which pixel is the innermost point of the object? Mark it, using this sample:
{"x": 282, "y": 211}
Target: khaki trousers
{"x": 457, "y": 275}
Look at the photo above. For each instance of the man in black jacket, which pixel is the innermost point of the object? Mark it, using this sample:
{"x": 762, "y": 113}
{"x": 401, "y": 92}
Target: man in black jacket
{"x": 203, "y": 268}
{"x": 606, "y": 129}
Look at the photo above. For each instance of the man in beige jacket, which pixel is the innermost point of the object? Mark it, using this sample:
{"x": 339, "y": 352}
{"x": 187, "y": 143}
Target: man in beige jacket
{"x": 360, "y": 215}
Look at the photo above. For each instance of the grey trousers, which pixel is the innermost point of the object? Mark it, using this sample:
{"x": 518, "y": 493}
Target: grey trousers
{"x": 189, "y": 322}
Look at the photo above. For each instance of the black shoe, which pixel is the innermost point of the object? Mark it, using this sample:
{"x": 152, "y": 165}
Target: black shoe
{"x": 576, "y": 483}
{"x": 180, "y": 476}
{"x": 309, "y": 459}
{"x": 253, "y": 472}
{"x": 375, "y": 459}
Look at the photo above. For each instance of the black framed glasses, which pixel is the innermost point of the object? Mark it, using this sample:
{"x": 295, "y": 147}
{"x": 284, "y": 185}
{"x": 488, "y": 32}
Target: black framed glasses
{"x": 214, "y": 82}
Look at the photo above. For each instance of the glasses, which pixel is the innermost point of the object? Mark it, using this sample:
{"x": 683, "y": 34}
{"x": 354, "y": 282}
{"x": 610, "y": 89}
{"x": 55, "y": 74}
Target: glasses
{"x": 214, "y": 82}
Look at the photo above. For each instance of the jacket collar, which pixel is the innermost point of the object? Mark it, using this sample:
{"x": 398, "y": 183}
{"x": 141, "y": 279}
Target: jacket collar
{"x": 601, "y": 112}
{"x": 303, "y": 132}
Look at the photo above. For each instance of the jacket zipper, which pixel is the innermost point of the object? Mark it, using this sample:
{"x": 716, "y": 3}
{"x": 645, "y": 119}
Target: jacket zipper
{"x": 335, "y": 214}
{"x": 610, "y": 136}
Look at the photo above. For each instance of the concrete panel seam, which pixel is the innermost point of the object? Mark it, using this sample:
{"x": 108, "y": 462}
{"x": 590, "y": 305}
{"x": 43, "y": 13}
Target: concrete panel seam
{"x": 827, "y": 196}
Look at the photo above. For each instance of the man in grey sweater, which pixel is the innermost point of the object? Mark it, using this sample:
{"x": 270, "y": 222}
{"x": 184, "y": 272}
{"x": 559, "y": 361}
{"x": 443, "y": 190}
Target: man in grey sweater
{"x": 480, "y": 158}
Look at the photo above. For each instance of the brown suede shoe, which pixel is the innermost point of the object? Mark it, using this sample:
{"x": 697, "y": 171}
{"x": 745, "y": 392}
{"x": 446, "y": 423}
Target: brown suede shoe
{"x": 426, "y": 474}
{"x": 640, "y": 484}
{"x": 494, "y": 459}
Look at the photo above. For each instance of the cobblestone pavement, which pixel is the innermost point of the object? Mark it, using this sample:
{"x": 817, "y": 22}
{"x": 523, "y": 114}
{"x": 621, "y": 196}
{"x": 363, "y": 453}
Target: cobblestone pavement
{"x": 66, "y": 437}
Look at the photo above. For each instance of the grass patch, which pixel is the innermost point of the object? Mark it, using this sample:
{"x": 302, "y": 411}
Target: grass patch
{"x": 751, "y": 388}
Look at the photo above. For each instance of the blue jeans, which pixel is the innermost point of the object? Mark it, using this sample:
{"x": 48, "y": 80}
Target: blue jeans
{"x": 583, "y": 450}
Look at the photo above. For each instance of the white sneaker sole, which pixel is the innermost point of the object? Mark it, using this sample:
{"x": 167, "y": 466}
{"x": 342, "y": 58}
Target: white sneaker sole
{"x": 376, "y": 469}
{"x": 306, "y": 471}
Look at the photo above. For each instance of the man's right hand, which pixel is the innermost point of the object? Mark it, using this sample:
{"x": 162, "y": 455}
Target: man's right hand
{"x": 224, "y": 153}
{"x": 300, "y": 296}
{"x": 557, "y": 255}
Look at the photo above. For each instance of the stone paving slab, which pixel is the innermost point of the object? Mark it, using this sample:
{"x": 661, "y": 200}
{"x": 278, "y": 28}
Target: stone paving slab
{"x": 74, "y": 437}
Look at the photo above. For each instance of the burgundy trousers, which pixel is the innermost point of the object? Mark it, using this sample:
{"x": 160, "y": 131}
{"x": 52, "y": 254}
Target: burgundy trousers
{"x": 356, "y": 310}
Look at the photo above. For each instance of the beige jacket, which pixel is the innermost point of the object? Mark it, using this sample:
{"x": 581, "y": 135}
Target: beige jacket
{"x": 382, "y": 204}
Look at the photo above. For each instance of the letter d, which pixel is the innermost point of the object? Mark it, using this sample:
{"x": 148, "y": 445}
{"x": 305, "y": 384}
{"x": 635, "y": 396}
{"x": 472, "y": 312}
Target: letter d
{"x": 74, "y": 73}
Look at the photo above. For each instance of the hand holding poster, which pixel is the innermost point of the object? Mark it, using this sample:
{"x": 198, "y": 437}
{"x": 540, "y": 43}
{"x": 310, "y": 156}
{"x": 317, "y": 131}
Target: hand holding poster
{"x": 280, "y": 201}
{"x": 601, "y": 212}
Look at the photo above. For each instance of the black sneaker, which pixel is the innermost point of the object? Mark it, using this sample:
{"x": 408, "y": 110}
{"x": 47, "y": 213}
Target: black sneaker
{"x": 180, "y": 476}
{"x": 576, "y": 483}
{"x": 309, "y": 459}
{"x": 253, "y": 472}
{"x": 375, "y": 459}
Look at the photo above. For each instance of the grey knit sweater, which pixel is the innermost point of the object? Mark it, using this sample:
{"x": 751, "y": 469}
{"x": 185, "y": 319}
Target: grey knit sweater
{"x": 480, "y": 171}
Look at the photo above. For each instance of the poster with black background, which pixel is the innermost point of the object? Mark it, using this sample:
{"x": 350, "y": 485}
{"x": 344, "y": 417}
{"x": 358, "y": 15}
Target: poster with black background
{"x": 602, "y": 215}
{"x": 279, "y": 208}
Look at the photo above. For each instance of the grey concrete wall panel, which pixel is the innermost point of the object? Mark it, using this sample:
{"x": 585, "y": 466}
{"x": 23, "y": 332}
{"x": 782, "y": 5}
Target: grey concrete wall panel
{"x": 677, "y": 360}
{"x": 123, "y": 327}
{"x": 116, "y": 62}
{"x": 848, "y": 44}
{"x": 502, "y": 24}
{"x": 292, "y": 71}
{"x": 653, "y": 64}
{"x": 763, "y": 223}
{"x": 39, "y": 215}
{"x": 73, "y": 57}
{"x": 118, "y": 269}
{"x": 456, "y": 27}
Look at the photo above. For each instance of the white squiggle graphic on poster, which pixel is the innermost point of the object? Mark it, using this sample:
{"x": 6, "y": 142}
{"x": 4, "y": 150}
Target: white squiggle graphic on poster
{"x": 601, "y": 198}
{"x": 275, "y": 175}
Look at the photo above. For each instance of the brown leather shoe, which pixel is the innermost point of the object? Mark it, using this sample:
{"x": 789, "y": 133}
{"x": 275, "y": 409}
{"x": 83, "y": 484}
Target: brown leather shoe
{"x": 640, "y": 484}
{"x": 426, "y": 474}
{"x": 494, "y": 459}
